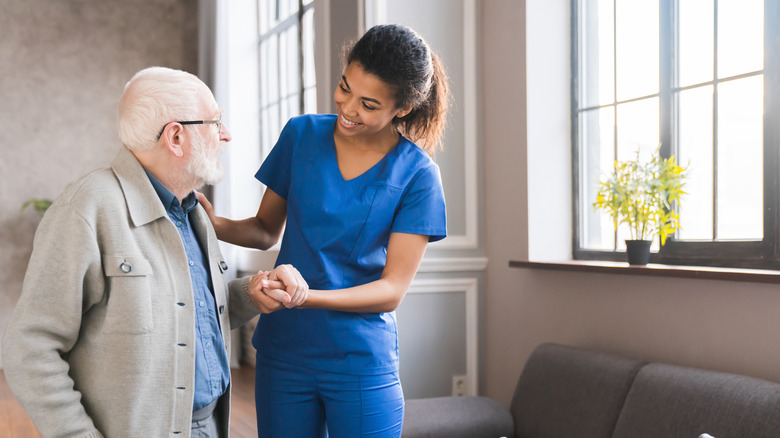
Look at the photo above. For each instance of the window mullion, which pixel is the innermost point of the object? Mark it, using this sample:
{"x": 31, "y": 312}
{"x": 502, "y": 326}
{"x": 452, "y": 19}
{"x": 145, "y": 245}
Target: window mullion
{"x": 715, "y": 123}
{"x": 279, "y": 27}
{"x": 667, "y": 51}
{"x": 615, "y": 98}
{"x": 771, "y": 128}
{"x": 668, "y": 55}
{"x": 301, "y": 97}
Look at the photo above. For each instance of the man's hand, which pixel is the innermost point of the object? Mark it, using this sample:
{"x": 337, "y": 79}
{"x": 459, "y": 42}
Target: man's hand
{"x": 272, "y": 300}
{"x": 294, "y": 285}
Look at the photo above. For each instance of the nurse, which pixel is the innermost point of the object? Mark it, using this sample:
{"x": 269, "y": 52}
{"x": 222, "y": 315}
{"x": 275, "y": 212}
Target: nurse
{"x": 361, "y": 198}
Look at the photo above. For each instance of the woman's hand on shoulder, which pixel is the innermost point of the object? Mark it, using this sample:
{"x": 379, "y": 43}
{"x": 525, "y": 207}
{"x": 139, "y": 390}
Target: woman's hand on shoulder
{"x": 207, "y": 206}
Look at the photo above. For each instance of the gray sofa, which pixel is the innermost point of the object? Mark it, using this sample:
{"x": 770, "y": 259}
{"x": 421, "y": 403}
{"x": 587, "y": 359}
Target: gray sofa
{"x": 570, "y": 392}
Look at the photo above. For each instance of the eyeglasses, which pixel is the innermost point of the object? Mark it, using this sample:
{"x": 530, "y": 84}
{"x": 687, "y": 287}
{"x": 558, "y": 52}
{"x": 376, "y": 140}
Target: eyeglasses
{"x": 218, "y": 123}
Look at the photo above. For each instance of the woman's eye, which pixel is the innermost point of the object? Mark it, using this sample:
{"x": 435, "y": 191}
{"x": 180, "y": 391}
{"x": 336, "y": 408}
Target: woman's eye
{"x": 368, "y": 107}
{"x": 343, "y": 89}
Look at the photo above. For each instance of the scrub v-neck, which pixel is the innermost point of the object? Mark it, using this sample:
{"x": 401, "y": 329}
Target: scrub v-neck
{"x": 371, "y": 169}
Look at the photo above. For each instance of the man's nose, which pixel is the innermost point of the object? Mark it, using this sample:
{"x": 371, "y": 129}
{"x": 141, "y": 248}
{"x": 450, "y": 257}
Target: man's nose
{"x": 224, "y": 134}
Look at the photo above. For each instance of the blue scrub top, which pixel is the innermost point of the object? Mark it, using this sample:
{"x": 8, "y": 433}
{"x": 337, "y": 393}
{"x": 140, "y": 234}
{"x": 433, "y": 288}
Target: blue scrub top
{"x": 336, "y": 236}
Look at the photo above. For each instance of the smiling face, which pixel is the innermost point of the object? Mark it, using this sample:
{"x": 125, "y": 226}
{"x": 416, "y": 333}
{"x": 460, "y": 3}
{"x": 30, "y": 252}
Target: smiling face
{"x": 365, "y": 105}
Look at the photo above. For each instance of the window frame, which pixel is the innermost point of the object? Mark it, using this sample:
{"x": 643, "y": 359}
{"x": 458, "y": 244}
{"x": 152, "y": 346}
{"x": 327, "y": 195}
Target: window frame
{"x": 764, "y": 253}
{"x": 275, "y": 30}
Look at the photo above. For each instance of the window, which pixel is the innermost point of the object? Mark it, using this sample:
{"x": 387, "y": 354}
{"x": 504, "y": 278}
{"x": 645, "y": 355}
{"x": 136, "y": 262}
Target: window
{"x": 287, "y": 80}
{"x": 700, "y": 78}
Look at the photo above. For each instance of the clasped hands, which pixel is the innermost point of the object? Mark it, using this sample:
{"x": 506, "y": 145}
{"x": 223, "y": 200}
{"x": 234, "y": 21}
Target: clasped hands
{"x": 283, "y": 287}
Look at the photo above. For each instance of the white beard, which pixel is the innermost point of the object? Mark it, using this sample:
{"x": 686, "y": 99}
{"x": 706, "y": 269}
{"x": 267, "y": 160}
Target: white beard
{"x": 203, "y": 168}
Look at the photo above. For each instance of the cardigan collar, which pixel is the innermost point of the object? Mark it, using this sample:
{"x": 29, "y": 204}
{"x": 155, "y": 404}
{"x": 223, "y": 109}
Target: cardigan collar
{"x": 143, "y": 204}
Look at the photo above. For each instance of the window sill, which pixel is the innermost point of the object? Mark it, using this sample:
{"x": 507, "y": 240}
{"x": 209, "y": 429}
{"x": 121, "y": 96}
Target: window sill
{"x": 654, "y": 270}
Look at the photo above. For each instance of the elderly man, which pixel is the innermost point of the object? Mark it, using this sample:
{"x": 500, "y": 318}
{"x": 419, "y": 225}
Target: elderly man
{"x": 123, "y": 325}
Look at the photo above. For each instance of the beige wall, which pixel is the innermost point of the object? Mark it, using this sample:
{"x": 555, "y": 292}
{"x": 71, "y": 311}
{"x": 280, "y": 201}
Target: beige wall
{"x": 63, "y": 64}
{"x": 720, "y": 325}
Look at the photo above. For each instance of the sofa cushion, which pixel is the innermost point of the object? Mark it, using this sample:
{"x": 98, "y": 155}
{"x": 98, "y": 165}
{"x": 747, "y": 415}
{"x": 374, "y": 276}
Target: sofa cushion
{"x": 456, "y": 417}
{"x": 672, "y": 401}
{"x": 565, "y": 391}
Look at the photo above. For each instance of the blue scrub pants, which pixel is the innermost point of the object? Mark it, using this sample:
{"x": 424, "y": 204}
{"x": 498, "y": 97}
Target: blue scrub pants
{"x": 294, "y": 401}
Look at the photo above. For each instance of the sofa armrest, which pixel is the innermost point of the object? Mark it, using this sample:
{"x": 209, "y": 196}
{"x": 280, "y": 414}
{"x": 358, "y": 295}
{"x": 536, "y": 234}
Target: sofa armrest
{"x": 456, "y": 417}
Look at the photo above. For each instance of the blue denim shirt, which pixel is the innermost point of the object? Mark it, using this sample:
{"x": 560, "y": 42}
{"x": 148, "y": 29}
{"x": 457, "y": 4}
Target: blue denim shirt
{"x": 212, "y": 372}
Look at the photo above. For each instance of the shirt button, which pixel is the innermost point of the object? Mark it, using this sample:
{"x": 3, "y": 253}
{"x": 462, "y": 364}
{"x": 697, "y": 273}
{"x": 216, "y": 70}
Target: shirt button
{"x": 201, "y": 304}
{"x": 178, "y": 223}
{"x": 208, "y": 344}
{"x": 191, "y": 263}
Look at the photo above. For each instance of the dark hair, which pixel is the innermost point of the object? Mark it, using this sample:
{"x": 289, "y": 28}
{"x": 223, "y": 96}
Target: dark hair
{"x": 400, "y": 58}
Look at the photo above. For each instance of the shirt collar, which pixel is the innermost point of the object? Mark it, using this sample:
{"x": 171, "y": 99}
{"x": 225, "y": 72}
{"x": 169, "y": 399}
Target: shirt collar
{"x": 169, "y": 200}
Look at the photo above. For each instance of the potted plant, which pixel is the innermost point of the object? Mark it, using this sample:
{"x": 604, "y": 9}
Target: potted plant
{"x": 643, "y": 196}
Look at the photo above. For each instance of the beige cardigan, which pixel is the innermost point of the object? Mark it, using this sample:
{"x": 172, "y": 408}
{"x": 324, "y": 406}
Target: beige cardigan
{"x": 101, "y": 340}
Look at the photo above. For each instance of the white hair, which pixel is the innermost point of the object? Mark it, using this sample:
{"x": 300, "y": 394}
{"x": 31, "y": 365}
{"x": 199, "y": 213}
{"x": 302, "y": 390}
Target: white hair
{"x": 204, "y": 166}
{"x": 154, "y": 97}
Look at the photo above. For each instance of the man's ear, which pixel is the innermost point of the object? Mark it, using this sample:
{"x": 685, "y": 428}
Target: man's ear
{"x": 174, "y": 139}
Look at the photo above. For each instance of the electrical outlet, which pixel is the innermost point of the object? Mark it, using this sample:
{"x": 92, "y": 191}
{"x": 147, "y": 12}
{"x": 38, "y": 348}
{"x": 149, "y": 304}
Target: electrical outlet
{"x": 459, "y": 385}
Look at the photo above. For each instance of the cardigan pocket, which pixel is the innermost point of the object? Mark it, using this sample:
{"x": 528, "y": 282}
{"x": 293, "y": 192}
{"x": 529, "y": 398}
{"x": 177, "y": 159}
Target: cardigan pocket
{"x": 129, "y": 303}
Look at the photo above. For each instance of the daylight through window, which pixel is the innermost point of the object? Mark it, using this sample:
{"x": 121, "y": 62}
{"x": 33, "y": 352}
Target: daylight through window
{"x": 695, "y": 78}
{"x": 287, "y": 80}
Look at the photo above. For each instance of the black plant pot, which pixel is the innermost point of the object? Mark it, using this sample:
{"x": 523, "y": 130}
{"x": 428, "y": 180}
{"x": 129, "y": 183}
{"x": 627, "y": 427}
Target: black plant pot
{"x": 638, "y": 251}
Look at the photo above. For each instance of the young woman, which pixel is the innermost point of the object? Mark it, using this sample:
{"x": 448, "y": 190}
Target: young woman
{"x": 360, "y": 201}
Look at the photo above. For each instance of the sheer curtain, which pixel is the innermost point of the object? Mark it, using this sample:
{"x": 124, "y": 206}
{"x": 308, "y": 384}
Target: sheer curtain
{"x": 211, "y": 66}
{"x": 213, "y": 71}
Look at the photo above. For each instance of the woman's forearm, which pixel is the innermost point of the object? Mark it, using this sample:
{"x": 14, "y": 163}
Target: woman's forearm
{"x": 375, "y": 297}
{"x": 404, "y": 253}
{"x": 249, "y": 233}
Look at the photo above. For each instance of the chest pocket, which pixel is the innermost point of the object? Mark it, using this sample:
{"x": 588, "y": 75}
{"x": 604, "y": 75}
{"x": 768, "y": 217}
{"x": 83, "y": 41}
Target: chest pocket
{"x": 129, "y": 303}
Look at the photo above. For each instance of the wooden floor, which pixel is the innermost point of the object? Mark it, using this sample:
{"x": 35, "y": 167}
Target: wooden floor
{"x": 14, "y": 422}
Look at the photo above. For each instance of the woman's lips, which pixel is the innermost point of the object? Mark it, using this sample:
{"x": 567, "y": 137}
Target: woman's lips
{"x": 347, "y": 122}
